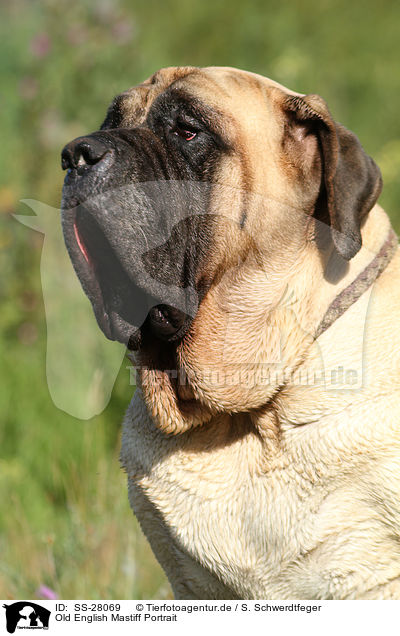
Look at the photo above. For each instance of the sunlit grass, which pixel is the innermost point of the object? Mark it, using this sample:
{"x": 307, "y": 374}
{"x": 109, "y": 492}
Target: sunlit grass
{"x": 90, "y": 546}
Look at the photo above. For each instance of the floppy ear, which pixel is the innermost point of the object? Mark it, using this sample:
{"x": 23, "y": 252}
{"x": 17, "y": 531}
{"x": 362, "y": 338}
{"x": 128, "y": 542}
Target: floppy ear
{"x": 351, "y": 180}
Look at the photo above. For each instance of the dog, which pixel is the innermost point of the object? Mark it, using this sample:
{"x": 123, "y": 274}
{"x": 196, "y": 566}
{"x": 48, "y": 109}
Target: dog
{"x": 227, "y": 230}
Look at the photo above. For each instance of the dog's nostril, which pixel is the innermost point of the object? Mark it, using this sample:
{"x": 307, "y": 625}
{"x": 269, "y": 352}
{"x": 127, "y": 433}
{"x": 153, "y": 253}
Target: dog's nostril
{"x": 82, "y": 152}
{"x": 88, "y": 154}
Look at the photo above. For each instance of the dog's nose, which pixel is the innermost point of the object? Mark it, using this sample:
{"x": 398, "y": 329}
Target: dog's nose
{"x": 83, "y": 151}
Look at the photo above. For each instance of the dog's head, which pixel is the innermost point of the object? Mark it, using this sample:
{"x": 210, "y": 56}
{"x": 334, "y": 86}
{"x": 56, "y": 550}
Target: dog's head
{"x": 189, "y": 174}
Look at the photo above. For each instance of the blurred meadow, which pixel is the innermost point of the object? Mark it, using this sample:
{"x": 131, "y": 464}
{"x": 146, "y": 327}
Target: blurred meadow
{"x": 65, "y": 521}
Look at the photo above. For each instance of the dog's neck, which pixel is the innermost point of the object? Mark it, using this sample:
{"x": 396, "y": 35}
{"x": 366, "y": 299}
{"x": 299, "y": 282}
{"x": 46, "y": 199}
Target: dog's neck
{"x": 253, "y": 333}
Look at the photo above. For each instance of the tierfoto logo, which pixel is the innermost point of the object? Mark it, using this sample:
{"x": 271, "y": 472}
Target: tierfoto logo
{"x": 26, "y": 615}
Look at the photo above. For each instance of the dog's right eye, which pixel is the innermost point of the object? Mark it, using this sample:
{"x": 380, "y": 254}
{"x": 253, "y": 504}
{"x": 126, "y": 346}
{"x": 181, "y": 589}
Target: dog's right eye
{"x": 184, "y": 132}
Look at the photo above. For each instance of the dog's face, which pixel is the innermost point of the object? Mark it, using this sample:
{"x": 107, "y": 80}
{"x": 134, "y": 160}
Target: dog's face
{"x": 193, "y": 172}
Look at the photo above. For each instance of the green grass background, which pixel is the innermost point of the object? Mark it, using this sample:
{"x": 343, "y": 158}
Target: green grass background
{"x": 64, "y": 520}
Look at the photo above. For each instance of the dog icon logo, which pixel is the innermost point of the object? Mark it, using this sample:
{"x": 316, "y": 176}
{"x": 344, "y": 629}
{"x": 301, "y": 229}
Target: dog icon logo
{"x": 26, "y": 615}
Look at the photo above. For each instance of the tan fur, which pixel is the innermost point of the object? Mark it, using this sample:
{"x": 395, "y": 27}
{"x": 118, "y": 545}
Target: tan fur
{"x": 247, "y": 488}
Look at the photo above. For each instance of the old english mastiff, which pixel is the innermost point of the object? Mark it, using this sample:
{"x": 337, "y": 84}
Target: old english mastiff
{"x": 227, "y": 230}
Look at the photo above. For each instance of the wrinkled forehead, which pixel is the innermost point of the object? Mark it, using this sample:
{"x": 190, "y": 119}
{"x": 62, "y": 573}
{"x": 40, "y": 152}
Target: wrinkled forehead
{"x": 234, "y": 93}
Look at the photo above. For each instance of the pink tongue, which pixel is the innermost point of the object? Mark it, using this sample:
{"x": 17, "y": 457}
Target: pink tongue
{"x": 81, "y": 245}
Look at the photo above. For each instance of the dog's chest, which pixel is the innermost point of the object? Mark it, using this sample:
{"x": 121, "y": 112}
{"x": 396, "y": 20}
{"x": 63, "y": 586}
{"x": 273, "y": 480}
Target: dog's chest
{"x": 218, "y": 506}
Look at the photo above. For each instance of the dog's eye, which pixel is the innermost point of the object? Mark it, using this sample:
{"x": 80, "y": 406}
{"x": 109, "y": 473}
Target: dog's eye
{"x": 184, "y": 132}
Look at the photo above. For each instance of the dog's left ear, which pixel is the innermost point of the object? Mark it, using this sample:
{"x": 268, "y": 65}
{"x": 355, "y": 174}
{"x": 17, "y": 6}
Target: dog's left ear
{"x": 351, "y": 179}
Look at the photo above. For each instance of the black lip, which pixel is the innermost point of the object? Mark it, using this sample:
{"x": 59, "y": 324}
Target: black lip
{"x": 84, "y": 270}
{"x": 167, "y": 322}
{"x": 120, "y": 306}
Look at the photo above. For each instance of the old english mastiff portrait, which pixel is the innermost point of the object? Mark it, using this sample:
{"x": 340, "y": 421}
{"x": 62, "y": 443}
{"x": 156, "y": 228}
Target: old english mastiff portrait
{"x": 226, "y": 229}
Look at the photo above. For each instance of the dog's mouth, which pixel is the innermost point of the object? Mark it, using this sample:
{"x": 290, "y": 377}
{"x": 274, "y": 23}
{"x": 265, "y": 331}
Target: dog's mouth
{"x": 123, "y": 309}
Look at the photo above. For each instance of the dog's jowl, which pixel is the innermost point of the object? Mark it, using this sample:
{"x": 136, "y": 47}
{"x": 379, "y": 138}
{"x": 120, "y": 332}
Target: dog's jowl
{"x": 227, "y": 231}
